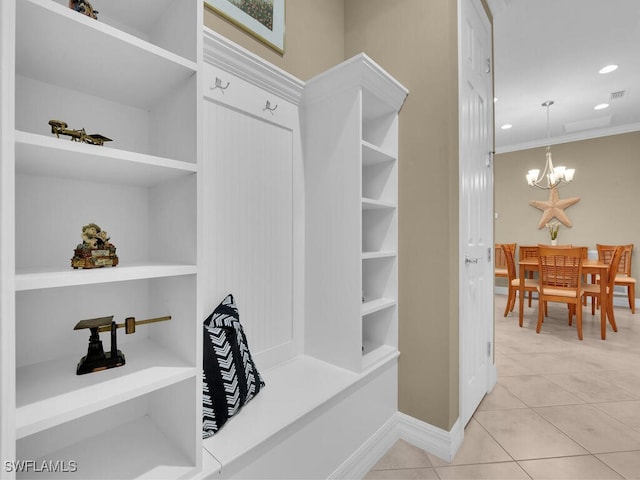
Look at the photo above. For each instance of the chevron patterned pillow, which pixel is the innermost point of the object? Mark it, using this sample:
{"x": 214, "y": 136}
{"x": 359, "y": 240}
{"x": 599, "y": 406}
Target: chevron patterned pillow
{"x": 230, "y": 377}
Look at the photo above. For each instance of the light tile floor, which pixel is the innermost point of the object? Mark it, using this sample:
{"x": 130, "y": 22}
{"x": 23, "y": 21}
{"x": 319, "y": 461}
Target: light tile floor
{"x": 562, "y": 408}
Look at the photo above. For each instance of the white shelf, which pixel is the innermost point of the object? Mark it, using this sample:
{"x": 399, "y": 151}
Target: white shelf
{"x": 33, "y": 280}
{"x": 380, "y": 254}
{"x": 372, "y": 306}
{"x": 369, "y": 204}
{"x": 147, "y": 450}
{"x": 374, "y": 355}
{"x": 374, "y": 155}
{"x": 50, "y": 393}
{"x": 75, "y": 51}
{"x": 139, "y": 18}
{"x": 60, "y": 157}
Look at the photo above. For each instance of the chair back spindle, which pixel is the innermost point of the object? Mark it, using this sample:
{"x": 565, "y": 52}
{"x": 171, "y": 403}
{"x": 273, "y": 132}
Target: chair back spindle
{"x": 560, "y": 267}
{"x": 560, "y": 270}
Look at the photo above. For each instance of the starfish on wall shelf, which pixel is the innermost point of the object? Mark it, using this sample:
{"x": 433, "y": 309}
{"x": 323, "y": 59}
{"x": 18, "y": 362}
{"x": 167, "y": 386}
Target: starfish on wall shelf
{"x": 554, "y": 207}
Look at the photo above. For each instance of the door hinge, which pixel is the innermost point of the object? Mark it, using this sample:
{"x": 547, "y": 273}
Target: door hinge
{"x": 488, "y": 69}
{"x": 488, "y": 349}
{"x": 489, "y": 254}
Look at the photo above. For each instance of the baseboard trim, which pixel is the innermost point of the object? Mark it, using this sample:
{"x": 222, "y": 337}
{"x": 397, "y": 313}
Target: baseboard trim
{"x": 493, "y": 377}
{"x": 369, "y": 453}
{"x": 436, "y": 441}
{"x": 441, "y": 443}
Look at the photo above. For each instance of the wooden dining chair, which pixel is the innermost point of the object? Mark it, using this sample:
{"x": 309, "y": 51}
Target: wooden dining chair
{"x": 605, "y": 254}
{"x": 625, "y": 279}
{"x": 500, "y": 262}
{"x": 560, "y": 280}
{"x": 593, "y": 290}
{"x": 530, "y": 285}
{"x": 528, "y": 251}
{"x": 623, "y": 273}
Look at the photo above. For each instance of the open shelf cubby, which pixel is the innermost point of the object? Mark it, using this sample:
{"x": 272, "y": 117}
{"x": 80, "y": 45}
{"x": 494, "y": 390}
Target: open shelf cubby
{"x": 142, "y": 437}
{"x": 133, "y": 76}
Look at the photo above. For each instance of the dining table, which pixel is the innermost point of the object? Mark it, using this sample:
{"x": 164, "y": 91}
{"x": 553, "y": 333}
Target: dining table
{"x": 589, "y": 267}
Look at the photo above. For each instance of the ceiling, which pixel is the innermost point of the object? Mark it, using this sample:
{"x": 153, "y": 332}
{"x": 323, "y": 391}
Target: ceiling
{"x": 552, "y": 50}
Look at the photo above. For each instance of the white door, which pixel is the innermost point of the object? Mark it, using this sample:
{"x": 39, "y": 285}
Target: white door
{"x": 476, "y": 207}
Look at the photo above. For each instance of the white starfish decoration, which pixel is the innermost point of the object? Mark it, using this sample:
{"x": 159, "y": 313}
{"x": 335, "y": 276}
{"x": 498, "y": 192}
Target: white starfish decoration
{"x": 554, "y": 207}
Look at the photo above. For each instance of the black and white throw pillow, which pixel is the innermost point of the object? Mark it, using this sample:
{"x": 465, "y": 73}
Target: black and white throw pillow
{"x": 230, "y": 377}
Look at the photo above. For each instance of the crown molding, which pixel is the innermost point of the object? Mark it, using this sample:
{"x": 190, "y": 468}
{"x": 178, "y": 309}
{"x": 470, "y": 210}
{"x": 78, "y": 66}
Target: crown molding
{"x": 573, "y": 137}
{"x": 358, "y": 71}
{"x": 222, "y": 52}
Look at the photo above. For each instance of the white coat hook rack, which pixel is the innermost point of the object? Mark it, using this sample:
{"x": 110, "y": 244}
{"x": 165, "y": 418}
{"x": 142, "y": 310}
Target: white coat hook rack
{"x": 218, "y": 84}
{"x": 269, "y": 107}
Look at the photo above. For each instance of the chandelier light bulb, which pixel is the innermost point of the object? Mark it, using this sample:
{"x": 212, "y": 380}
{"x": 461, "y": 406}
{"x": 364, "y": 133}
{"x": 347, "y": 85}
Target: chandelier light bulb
{"x": 568, "y": 174}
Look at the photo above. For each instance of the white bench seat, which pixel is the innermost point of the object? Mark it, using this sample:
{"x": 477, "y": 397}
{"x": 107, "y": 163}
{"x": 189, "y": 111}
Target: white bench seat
{"x": 293, "y": 391}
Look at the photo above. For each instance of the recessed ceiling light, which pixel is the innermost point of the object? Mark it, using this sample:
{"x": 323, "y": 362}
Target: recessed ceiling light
{"x": 506, "y": 126}
{"x": 601, "y": 106}
{"x": 608, "y": 69}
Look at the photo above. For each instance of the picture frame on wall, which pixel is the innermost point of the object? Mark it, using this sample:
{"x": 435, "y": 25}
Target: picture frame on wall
{"x": 264, "y": 19}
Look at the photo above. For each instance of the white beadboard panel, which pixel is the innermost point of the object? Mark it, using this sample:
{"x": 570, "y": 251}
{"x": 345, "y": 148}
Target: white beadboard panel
{"x": 249, "y": 222}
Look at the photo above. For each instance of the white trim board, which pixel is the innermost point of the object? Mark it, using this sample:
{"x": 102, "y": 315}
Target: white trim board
{"x": 370, "y": 452}
{"x": 441, "y": 443}
{"x": 570, "y": 137}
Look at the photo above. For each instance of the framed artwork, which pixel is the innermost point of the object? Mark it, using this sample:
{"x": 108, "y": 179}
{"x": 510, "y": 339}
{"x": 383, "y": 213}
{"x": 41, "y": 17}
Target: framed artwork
{"x": 264, "y": 19}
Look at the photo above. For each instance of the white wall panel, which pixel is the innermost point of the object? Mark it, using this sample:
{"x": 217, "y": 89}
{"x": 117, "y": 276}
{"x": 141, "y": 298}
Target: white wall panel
{"x": 249, "y": 229}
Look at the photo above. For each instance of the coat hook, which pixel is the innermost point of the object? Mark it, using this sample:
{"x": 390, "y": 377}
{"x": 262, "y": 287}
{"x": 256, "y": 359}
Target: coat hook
{"x": 218, "y": 84}
{"x": 268, "y": 107}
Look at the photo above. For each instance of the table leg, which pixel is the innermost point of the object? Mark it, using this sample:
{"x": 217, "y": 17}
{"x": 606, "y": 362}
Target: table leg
{"x": 609, "y": 304}
{"x": 521, "y": 295}
{"x": 603, "y": 306}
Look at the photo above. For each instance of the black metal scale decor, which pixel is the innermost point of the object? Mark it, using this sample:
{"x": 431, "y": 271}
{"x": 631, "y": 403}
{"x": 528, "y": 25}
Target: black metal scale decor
{"x": 96, "y": 358}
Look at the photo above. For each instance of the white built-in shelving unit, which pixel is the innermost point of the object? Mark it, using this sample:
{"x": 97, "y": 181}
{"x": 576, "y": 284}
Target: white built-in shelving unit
{"x": 351, "y": 166}
{"x": 133, "y": 76}
{"x": 379, "y": 182}
{"x": 225, "y": 175}
{"x": 272, "y": 195}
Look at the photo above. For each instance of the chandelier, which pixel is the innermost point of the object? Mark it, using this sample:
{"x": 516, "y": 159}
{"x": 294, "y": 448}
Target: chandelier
{"x": 551, "y": 176}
